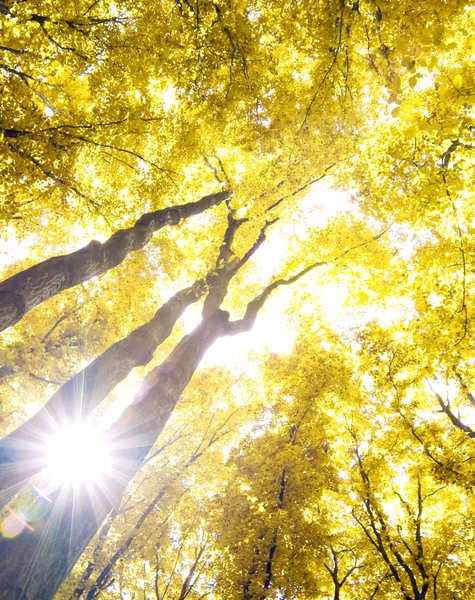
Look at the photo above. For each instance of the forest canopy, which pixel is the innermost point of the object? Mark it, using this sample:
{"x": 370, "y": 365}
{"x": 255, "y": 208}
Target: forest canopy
{"x": 236, "y": 279}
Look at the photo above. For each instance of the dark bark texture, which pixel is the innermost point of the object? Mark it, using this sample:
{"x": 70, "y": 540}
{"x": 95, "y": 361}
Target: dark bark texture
{"x": 24, "y": 291}
{"x": 34, "y": 564}
{"x": 22, "y": 451}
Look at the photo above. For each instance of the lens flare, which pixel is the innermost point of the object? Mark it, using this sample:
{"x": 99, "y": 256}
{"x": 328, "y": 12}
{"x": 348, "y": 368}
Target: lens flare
{"x": 12, "y": 525}
{"x": 77, "y": 455}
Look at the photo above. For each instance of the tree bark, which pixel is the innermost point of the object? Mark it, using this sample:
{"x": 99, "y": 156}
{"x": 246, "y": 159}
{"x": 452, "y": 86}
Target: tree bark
{"x": 20, "y": 458}
{"x": 22, "y": 451}
{"x": 34, "y": 564}
{"x": 24, "y": 291}
{"x": 273, "y": 548}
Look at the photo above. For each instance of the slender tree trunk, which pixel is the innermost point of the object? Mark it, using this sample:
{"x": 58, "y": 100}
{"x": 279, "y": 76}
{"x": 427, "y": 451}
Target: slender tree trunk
{"x": 273, "y": 548}
{"x": 22, "y": 451}
{"x": 24, "y": 291}
{"x": 106, "y": 575}
{"x": 78, "y": 592}
{"x": 34, "y": 564}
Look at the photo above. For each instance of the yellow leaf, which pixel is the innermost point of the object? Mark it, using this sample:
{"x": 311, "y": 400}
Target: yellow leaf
{"x": 425, "y": 39}
{"x": 458, "y": 81}
{"x": 401, "y": 46}
{"x": 423, "y": 125}
{"x": 438, "y": 33}
{"x": 396, "y": 82}
{"x": 445, "y": 92}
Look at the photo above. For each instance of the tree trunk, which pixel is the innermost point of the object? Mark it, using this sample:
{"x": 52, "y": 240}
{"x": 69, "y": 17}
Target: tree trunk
{"x": 34, "y": 564}
{"x": 22, "y": 451}
{"x": 24, "y": 291}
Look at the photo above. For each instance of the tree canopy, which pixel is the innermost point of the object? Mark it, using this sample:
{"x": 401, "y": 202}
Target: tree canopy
{"x": 236, "y": 249}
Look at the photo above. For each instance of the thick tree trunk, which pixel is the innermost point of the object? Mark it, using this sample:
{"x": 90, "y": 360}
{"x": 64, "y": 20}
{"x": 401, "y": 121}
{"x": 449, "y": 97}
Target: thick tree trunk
{"x": 20, "y": 456}
{"x": 22, "y": 292}
{"x": 22, "y": 451}
{"x": 34, "y": 564}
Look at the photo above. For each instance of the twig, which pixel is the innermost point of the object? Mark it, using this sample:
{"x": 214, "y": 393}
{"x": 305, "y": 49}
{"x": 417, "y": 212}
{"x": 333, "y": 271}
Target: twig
{"x": 44, "y": 380}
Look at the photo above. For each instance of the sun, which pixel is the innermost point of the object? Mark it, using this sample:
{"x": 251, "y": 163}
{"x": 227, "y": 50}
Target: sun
{"x": 77, "y": 455}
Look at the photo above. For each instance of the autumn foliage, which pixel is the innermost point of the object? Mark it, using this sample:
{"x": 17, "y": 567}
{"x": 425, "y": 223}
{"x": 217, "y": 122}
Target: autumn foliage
{"x": 237, "y": 238}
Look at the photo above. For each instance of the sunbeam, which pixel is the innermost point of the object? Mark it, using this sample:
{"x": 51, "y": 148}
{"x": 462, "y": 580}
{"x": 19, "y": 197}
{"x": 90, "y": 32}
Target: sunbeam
{"x": 76, "y": 455}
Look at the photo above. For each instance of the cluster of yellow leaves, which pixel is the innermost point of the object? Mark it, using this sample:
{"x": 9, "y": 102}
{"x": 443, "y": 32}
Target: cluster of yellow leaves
{"x": 125, "y": 108}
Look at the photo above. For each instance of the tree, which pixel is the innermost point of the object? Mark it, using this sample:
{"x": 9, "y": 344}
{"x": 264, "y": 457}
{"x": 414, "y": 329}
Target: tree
{"x": 31, "y": 287}
{"x": 119, "y": 114}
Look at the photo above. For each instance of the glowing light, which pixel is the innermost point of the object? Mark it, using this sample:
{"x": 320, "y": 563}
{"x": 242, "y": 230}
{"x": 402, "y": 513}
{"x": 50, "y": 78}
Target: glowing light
{"x": 77, "y": 455}
{"x": 13, "y": 248}
{"x": 424, "y": 83}
{"x": 169, "y": 98}
{"x": 270, "y": 332}
{"x": 12, "y": 525}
